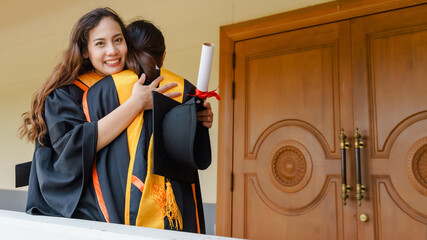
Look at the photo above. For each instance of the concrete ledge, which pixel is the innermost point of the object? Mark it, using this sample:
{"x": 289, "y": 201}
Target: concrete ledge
{"x": 18, "y": 225}
{"x": 15, "y": 200}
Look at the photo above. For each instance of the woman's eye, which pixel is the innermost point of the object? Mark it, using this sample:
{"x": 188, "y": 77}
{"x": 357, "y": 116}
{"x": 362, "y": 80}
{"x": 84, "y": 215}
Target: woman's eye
{"x": 99, "y": 44}
{"x": 118, "y": 40}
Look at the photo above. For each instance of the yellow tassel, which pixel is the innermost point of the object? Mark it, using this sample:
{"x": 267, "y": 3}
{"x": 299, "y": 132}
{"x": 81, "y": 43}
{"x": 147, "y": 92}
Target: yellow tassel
{"x": 171, "y": 208}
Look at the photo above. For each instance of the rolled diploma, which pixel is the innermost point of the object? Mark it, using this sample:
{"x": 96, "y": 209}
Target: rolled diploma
{"x": 205, "y": 66}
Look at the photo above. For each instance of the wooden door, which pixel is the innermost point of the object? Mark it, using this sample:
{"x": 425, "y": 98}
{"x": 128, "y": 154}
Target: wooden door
{"x": 390, "y": 102}
{"x": 293, "y": 94}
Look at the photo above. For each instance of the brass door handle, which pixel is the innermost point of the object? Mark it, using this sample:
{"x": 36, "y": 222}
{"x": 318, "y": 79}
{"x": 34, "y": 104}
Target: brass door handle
{"x": 344, "y": 146}
{"x": 360, "y": 189}
{"x": 363, "y": 217}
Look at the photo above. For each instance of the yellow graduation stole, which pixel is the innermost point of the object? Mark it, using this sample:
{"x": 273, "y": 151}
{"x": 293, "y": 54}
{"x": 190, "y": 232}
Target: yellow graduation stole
{"x": 156, "y": 203}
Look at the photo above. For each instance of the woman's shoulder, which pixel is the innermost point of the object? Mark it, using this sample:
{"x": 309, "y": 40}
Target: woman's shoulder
{"x": 69, "y": 92}
{"x": 123, "y": 79}
{"x": 170, "y": 76}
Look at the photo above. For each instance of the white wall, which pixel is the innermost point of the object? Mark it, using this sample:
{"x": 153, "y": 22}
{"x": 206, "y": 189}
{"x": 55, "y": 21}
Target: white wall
{"x": 34, "y": 35}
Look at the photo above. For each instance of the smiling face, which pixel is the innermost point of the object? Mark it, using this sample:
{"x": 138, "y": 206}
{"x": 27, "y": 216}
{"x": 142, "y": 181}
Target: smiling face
{"x": 107, "y": 48}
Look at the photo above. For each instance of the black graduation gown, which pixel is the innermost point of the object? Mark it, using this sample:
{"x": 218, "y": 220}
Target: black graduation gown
{"x": 62, "y": 174}
{"x": 61, "y": 170}
{"x": 113, "y": 163}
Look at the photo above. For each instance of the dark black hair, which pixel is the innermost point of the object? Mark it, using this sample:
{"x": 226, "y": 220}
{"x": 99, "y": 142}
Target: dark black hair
{"x": 149, "y": 46}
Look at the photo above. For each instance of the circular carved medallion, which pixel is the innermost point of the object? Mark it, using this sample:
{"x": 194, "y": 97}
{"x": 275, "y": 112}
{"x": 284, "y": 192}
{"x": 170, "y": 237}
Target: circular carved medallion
{"x": 416, "y": 166}
{"x": 291, "y": 168}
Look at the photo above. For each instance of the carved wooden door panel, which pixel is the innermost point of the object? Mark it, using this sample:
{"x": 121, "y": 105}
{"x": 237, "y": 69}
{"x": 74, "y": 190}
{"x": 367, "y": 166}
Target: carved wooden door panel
{"x": 292, "y": 97}
{"x": 294, "y": 92}
{"x": 390, "y": 102}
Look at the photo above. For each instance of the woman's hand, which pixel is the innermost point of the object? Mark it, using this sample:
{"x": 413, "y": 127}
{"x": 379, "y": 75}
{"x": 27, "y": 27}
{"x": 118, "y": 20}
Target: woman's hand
{"x": 143, "y": 92}
{"x": 110, "y": 126}
{"x": 206, "y": 116}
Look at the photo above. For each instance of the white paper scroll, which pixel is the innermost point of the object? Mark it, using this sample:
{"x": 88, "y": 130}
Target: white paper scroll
{"x": 205, "y": 66}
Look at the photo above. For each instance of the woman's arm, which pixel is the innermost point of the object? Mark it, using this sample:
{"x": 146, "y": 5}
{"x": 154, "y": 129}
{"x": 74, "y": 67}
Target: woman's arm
{"x": 110, "y": 126}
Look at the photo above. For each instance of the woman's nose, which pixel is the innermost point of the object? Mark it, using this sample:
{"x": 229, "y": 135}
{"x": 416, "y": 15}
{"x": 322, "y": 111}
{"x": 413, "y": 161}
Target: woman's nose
{"x": 111, "y": 49}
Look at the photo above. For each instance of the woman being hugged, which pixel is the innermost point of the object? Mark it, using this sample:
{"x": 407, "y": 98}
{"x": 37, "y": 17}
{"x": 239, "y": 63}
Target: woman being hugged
{"x": 61, "y": 180}
{"x": 151, "y": 200}
{"x": 188, "y": 215}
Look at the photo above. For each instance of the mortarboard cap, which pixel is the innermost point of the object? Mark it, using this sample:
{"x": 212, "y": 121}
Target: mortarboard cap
{"x": 181, "y": 143}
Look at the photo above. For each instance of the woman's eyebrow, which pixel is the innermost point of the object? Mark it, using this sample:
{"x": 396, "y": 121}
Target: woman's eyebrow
{"x": 98, "y": 39}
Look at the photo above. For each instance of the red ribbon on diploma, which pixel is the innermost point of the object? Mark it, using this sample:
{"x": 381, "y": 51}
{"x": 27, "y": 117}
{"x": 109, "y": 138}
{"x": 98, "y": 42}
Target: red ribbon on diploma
{"x": 205, "y": 95}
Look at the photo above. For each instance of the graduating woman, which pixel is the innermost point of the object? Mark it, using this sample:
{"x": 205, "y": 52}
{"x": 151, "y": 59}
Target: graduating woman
{"x": 150, "y": 200}
{"x": 63, "y": 177}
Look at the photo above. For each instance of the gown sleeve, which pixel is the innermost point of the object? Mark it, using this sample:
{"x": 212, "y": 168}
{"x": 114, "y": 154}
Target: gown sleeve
{"x": 62, "y": 167}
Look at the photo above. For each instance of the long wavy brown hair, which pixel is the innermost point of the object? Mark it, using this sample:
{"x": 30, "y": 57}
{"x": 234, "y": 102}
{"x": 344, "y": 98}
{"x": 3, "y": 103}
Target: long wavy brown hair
{"x": 72, "y": 65}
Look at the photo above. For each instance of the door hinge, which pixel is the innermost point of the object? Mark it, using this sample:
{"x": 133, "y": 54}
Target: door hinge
{"x": 234, "y": 60}
{"x": 231, "y": 181}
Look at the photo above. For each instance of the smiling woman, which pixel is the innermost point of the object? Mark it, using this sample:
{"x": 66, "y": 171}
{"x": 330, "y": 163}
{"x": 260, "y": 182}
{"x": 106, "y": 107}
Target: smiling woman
{"x": 84, "y": 121}
{"x": 61, "y": 182}
{"x": 106, "y": 48}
